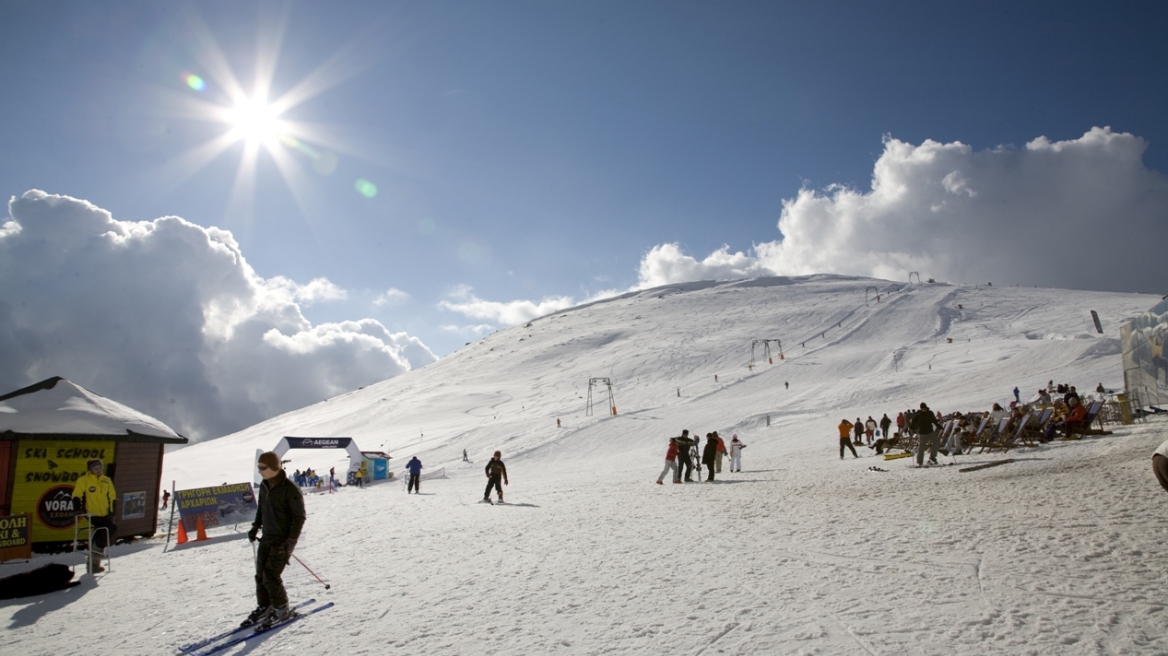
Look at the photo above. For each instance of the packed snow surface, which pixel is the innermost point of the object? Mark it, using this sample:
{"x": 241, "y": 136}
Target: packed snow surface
{"x": 1059, "y": 552}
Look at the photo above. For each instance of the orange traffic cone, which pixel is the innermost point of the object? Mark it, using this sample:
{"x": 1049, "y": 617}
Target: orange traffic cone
{"x": 182, "y": 533}
{"x": 201, "y": 533}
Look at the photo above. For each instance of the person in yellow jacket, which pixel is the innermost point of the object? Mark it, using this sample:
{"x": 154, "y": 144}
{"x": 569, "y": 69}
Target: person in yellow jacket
{"x": 98, "y": 500}
{"x": 845, "y": 432}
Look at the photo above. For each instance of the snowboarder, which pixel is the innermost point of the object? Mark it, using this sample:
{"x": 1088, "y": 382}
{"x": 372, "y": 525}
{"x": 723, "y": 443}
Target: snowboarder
{"x": 414, "y": 467}
{"x": 845, "y": 435}
{"x": 98, "y": 501}
{"x": 495, "y": 471}
{"x": 709, "y": 456}
{"x": 925, "y": 426}
{"x": 670, "y": 462}
{"x": 684, "y": 444}
{"x": 280, "y": 514}
{"x": 736, "y": 448}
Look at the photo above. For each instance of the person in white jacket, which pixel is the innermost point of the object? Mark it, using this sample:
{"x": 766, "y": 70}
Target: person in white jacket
{"x": 736, "y": 448}
{"x": 1160, "y": 464}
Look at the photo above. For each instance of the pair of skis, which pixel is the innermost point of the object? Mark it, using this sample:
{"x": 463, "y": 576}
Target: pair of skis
{"x": 227, "y": 639}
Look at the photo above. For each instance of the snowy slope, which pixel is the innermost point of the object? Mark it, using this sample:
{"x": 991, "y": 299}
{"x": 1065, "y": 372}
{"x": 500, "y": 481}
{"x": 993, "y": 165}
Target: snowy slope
{"x": 1057, "y": 553}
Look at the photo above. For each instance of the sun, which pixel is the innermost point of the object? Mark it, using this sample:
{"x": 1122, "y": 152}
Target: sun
{"x": 255, "y": 121}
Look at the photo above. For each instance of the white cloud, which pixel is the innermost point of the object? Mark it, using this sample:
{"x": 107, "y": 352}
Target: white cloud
{"x": 476, "y": 330}
{"x": 318, "y": 289}
{"x": 1084, "y": 213}
{"x": 665, "y": 264}
{"x": 168, "y": 317}
{"x": 510, "y": 313}
{"x": 391, "y": 296}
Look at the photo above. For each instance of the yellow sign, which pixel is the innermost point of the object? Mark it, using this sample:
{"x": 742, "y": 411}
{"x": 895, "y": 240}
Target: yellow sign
{"x": 14, "y": 538}
{"x": 43, "y": 483}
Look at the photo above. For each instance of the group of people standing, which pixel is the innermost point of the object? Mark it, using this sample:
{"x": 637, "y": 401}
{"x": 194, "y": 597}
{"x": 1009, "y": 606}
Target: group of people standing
{"x": 870, "y": 430}
{"x": 683, "y": 451}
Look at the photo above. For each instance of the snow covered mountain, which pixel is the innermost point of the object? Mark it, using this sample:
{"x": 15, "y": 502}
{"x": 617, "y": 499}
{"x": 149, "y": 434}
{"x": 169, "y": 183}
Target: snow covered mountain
{"x": 843, "y": 354}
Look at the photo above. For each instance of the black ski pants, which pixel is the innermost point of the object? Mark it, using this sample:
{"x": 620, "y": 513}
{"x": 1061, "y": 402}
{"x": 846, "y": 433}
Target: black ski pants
{"x": 270, "y": 563}
{"x": 494, "y": 482}
{"x": 102, "y": 538}
{"x": 848, "y": 443}
{"x": 684, "y": 459}
{"x": 414, "y": 484}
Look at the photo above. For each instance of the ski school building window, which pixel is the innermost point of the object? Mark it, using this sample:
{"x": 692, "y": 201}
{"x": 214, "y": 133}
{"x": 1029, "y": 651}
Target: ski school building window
{"x": 49, "y": 431}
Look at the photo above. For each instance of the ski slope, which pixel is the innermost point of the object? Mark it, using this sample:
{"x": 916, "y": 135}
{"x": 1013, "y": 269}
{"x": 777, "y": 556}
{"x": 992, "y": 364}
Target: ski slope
{"x": 804, "y": 553}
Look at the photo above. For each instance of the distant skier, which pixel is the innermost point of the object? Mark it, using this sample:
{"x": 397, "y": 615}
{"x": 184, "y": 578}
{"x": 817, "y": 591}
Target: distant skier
{"x": 495, "y": 471}
{"x": 280, "y": 514}
{"x": 858, "y": 427}
{"x": 684, "y": 444}
{"x": 709, "y": 457}
{"x": 670, "y": 463}
{"x": 165, "y": 498}
{"x": 925, "y": 426}
{"x": 736, "y": 448}
{"x": 885, "y": 424}
{"x": 900, "y": 423}
{"x": 870, "y": 429}
{"x": 721, "y": 452}
{"x": 414, "y": 467}
{"x": 464, "y": 458}
{"x": 845, "y": 435}
{"x": 1017, "y": 395}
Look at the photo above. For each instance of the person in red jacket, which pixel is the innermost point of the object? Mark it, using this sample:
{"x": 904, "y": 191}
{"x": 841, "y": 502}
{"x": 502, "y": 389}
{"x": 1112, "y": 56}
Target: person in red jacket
{"x": 1076, "y": 420}
{"x": 670, "y": 463}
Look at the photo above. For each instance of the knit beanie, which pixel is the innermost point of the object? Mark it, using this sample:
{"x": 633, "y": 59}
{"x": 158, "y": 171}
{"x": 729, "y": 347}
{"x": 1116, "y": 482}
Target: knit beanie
{"x": 270, "y": 459}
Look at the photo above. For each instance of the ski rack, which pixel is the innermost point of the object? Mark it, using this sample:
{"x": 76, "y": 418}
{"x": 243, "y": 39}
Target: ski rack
{"x": 595, "y": 382}
{"x": 766, "y": 350}
{"x": 109, "y": 543}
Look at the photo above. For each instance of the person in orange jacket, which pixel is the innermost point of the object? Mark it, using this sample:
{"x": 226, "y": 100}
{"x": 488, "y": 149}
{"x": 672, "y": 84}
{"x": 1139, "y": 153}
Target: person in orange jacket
{"x": 845, "y": 435}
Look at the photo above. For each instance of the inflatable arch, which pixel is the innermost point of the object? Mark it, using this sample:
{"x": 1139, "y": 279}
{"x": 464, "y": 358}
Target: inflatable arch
{"x": 288, "y": 443}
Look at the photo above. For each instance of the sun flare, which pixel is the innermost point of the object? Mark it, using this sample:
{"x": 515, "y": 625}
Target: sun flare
{"x": 255, "y": 121}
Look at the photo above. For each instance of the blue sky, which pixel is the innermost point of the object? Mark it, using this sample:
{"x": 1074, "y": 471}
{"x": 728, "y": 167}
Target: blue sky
{"x": 530, "y": 155}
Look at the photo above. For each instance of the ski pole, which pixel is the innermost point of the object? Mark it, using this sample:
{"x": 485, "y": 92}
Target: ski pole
{"x": 326, "y": 585}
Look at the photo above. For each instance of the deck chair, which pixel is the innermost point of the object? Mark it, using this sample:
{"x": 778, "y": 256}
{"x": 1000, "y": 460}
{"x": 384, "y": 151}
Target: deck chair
{"x": 1036, "y": 426}
{"x": 1010, "y": 441}
{"x": 1084, "y": 427}
{"x": 978, "y": 435}
{"x": 994, "y": 436}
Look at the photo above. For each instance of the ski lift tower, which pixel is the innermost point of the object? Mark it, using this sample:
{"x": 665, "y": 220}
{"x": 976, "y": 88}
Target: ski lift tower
{"x": 766, "y": 350}
{"x": 876, "y": 292}
{"x": 914, "y": 273}
{"x": 597, "y": 382}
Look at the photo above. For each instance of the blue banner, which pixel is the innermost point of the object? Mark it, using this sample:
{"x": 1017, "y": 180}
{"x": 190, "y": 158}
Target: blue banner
{"x": 222, "y": 505}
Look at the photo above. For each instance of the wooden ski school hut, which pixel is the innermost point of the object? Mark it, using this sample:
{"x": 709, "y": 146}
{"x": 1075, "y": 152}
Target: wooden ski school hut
{"x": 48, "y": 431}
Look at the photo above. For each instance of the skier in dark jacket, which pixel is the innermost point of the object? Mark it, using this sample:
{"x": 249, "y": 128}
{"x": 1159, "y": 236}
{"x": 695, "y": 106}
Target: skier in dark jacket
{"x": 414, "y": 467}
{"x": 924, "y": 423}
{"x": 281, "y": 516}
{"x": 496, "y": 471}
{"x": 684, "y": 444}
{"x": 709, "y": 457}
